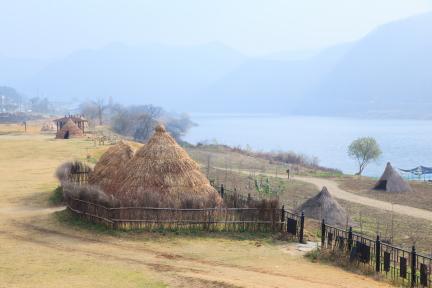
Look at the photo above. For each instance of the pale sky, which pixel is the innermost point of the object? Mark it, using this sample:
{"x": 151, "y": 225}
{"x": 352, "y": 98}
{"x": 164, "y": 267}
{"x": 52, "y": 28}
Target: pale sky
{"x": 54, "y": 28}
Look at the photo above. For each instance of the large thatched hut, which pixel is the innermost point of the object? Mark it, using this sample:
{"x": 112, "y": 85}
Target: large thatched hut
{"x": 391, "y": 181}
{"x": 110, "y": 168}
{"x": 69, "y": 130}
{"x": 161, "y": 174}
{"x": 324, "y": 206}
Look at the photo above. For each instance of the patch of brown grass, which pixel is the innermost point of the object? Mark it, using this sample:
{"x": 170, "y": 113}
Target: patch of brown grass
{"x": 407, "y": 231}
{"x": 421, "y": 197}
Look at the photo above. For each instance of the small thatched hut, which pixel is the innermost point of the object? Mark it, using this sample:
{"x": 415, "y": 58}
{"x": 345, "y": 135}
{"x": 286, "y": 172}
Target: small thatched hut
{"x": 110, "y": 168}
{"x": 391, "y": 181}
{"x": 161, "y": 174}
{"x": 78, "y": 120}
{"x": 69, "y": 130}
{"x": 324, "y": 206}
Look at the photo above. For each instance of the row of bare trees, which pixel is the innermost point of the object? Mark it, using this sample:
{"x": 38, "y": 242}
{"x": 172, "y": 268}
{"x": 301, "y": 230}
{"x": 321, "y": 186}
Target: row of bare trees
{"x": 136, "y": 122}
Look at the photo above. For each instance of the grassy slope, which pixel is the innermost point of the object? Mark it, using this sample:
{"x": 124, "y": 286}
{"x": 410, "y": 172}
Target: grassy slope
{"x": 38, "y": 248}
{"x": 406, "y": 231}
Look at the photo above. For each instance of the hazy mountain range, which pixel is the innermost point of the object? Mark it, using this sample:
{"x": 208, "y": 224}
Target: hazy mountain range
{"x": 387, "y": 73}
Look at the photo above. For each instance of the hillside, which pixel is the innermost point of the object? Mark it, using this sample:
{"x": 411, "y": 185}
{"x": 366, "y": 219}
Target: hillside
{"x": 261, "y": 85}
{"x": 385, "y": 73}
{"x": 158, "y": 74}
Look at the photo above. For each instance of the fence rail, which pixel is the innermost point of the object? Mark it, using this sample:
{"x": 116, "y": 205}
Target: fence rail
{"x": 274, "y": 220}
{"x": 400, "y": 265}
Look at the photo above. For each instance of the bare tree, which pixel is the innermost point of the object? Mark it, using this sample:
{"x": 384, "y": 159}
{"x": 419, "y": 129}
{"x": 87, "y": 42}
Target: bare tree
{"x": 94, "y": 110}
{"x": 100, "y": 106}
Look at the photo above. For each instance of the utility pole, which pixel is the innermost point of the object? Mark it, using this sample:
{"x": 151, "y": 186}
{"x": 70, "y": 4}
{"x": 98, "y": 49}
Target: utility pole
{"x": 208, "y": 166}
{"x": 2, "y": 97}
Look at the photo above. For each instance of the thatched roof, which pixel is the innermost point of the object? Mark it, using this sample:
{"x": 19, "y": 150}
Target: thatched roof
{"x": 110, "y": 168}
{"x": 69, "y": 130}
{"x": 324, "y": 206}
{"x": 391, "y": 181}
{"x": 161, "y": 174}
{"x": 70, "y": 169}
{"x": 74, "y": 118}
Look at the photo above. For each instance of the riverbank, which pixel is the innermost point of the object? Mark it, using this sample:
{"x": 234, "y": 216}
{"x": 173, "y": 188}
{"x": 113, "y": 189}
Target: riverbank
{"x": 404, "y": 142}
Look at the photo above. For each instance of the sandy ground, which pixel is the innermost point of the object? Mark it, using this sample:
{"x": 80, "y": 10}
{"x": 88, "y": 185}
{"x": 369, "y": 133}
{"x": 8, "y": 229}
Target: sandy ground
{"x": 38, "y": 251}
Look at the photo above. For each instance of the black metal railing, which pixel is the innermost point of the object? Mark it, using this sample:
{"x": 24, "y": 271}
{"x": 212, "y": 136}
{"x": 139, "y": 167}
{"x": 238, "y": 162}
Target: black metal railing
{"x": 402, "y": 266}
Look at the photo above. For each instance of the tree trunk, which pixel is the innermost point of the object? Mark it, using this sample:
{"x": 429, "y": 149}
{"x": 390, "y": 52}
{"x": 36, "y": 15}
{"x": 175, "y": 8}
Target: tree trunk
{"x": 100, "y": 116}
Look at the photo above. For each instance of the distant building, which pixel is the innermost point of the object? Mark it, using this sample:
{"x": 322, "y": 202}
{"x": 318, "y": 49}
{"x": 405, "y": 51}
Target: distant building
{"x": 78, "y": 120}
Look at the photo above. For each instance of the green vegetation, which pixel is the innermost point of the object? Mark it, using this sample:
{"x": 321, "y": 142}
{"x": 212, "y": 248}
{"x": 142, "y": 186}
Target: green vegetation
{"x": 66, "y": 217}
{"x": 56, "y": 197}
{"x": 267, "y": 188}
{"x": 364, "y": 150}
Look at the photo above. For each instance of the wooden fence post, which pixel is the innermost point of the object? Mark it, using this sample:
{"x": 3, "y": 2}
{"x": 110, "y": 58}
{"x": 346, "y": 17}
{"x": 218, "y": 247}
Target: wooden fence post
{"x": 282, "y": 218}
{"x": 350, "y": 239}
{"x": 413, "y": 266}
{"x": 378, "y": 254}
{"x": 323, "y": 232}
{"x": 302, "y": 217}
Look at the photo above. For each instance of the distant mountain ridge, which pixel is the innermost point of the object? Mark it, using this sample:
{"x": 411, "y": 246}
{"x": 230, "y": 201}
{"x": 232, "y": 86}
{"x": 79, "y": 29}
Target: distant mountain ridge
{"x": 387, "y": 74}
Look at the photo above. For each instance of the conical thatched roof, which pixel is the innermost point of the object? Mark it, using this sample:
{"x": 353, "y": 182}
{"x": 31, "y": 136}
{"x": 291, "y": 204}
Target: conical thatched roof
{"x": 110, "y": 169}
{"x": 69, "y": 130}
{"x": 324, "y": 206}
{"x": 161, "y": 174}
{"x": 391, "y": 181}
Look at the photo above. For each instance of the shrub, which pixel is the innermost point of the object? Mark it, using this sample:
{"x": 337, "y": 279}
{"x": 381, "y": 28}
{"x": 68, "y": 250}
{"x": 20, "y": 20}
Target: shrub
{"x": 64, "y": 171}
{"x": 89, "y": 193}
{"x": 56, "y": 197}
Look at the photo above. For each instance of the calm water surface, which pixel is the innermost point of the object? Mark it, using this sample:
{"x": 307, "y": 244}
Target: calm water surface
{"x": 405, "y": 143}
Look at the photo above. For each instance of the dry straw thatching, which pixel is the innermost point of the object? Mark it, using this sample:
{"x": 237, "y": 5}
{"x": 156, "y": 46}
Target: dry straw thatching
{"x": 324, "y": 206}
{"x": 161, "y": 174}
{"x": 68, "y": 171}
{"x": 110, "y": 168}
{"x": 391, "y": 181}
{"x": 69, "y": 130}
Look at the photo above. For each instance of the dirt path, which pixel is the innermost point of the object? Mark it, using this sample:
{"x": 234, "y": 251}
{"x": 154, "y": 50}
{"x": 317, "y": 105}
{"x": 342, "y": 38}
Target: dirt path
{"x": 339, "y": 193}
{"x": 174, "y": 267}
{"x": 347, "y": 196}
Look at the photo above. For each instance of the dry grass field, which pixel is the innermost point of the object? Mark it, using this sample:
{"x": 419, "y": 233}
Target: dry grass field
{"x": 41, "y": 248}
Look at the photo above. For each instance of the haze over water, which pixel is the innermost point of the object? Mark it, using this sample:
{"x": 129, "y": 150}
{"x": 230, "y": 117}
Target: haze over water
{"x": 405, "y": 143}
